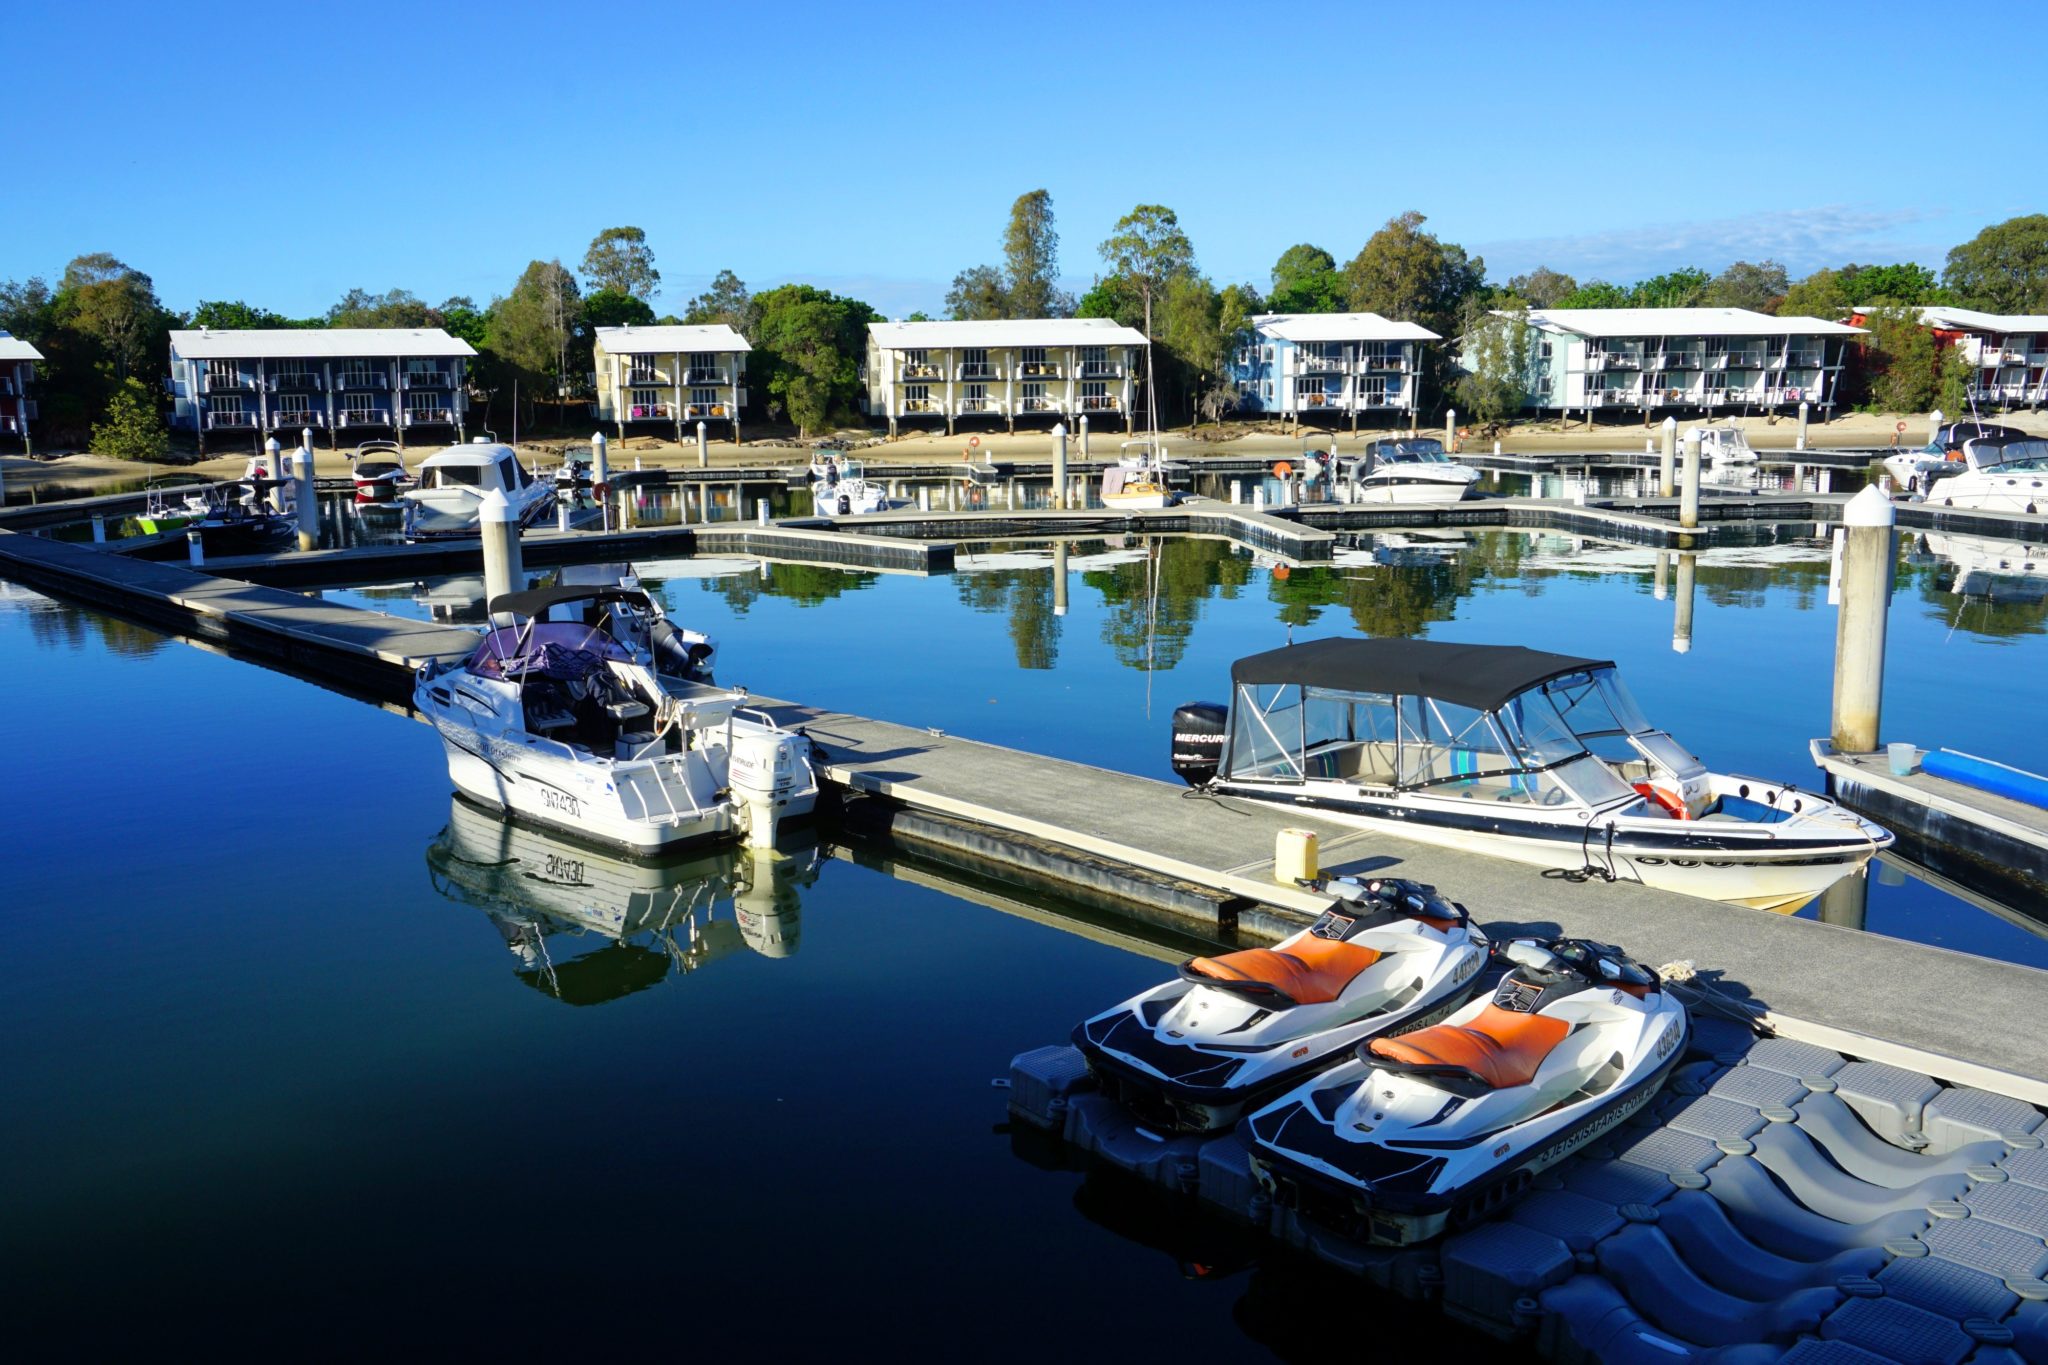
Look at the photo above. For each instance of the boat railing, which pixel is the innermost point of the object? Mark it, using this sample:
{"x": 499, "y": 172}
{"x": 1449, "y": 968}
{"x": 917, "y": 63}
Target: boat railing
{"x": 632, "y": 767}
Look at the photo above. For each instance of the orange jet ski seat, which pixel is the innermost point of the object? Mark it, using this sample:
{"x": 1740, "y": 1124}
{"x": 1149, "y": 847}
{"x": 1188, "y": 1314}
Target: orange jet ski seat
{"x": 1500, "y": 1048}
{"x": 1314, "y": 971}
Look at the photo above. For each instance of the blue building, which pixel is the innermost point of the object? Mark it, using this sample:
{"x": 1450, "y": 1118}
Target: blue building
{"x": 350, "y": 382}
{"x": 1301, "y": 365}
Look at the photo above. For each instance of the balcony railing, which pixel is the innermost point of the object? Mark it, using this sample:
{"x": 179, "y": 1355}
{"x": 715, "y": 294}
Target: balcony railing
{"x": 1038, "y": 403}
{"x": 1675, "y": 360}
{"x": 648, "y": 378}
{"x": 1787, "y": 393}
{"x": 429, "y": 379}
{"x": 1745, "y": 360}
{"x": 297, "y": 417}
{"x": 1039, "y": 369}
{"x": 922, "y": 370}
{"x": 698, "y": 374}
{"x": 1804, "y": 360}
{"x": 1380, "y": 398}
{"x": 1383, "y": 361}
{"x": 1614, "y": 360}
{"x": 1613, "y": 398}
{"x": 295, "y": 381}
{"x": 651, "y": 412}
{"x": 921, "y": 407}
{"x": 980, "y": 370}
{"x": 362, "y": 379}
{"x": 228, "y": 383}
{"x": 217, "y": 420}
{"x": 7, "y": 389}
{"x": 701, "y": 411}
{"x": 363, "y": 417}
{"x": 982, "y": 406}
{"x": 1669, "y": 397}
{"x": 1308, "y": 364}
{"x": 1102, "y": 402}
{"x": 1319, "y": 400}
{"x": 430, "y": 417}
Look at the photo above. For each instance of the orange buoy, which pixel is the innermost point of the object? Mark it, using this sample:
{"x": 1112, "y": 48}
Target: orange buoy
{"x": 1282, "y": 470}
{"x": 1281, "y": 571}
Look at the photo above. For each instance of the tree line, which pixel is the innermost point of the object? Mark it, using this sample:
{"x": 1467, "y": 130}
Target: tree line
{"x": 104, "y": 332}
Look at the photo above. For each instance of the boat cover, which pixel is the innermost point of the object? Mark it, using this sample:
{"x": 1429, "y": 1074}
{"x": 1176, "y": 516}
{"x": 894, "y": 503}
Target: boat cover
{"x": 536, "y": 602}
{"x": 1481, "y": 676}
{"x": 554, "y": 649}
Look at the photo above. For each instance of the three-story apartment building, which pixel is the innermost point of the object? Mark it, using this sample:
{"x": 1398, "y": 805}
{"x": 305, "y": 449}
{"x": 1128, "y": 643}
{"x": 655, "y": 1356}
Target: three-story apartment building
{"x": 354, "y": 383}
{"x": 1711, "y": 360}
{"x": 670, "y": 376}
{"x": 17, "y": 370}
{"x": 1301, "y": 365}
{"x": 1050, "y": 368}
{"x": 2007, "y": 352}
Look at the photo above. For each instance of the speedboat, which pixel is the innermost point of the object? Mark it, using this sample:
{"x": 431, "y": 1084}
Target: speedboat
{"x": 574, "y": 472}
{"x": 1725, "y": 445}
{"x": 555, "y": 718}
{"x": 1412, "y": 471}
{"x": 1916, "y": 470}
{"x": 246, "y": 516}
{"x": 2009, "y": 475}
{"x": 1431, "y": 1130}
{"x": 453, "y": 483}
{"x": 1537, "y": 757}
{"x": 378, "y": 468}
{"x": 839, "y": 488}
{"x": 640, "y": 624}
{"x": 1231, "y": 1032}
{"x": 171, "y": 507}
{"x": 1138, "y": 478}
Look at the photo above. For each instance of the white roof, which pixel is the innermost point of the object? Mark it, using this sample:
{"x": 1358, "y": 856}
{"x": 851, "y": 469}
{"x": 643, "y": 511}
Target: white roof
{"x": 1970, "y": 320}
{"x": 1339, "y": 327}
{"x": 315, "y": 343}
{"x": 13, "y": 347}
{"x": 670, "y": 340}
{"x": 1688, "y": 322}
{"x": 909, "y": 336}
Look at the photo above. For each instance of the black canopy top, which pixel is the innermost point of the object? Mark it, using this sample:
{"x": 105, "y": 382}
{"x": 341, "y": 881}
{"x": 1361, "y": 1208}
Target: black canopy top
{"x": 537, "y": 602}
{"x": 1481, "y": 676}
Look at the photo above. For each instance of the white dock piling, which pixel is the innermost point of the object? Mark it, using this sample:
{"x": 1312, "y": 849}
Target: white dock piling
{"x": 195, "y": 548}
{"x": 561, "y": 512}
{"x": 1860, "y": 623}
{"x": 1803, "y": 409}
{"x": 1259, "y": 498}
{"x": 1689, "y": 484}
{"x": 1681, "y": 617}
{"x": 1059, "y": 464}
{"x": 761, "y": 511}
{"x": 306, "y": 497}
{"x": 99, "y": 528}
{"x": 1450, "y": 428}
{"x": 600, "y": 463}
{"x": 703, "y": 451}
{"x": 924, "y": 497}
{"x": 1237, "y": 492}
{"x": 504, "y": 570}
{"x": 1084, "y": 435}
{"x": 1667, "y": 464}
{"x": 1934, "y": 421}
{"x": 1844, "y": 902}
{"x": 1059, "y": 578}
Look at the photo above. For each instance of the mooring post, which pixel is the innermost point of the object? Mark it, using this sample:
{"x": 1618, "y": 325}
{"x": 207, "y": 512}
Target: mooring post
{"x": 99, "y": 528}
{"x": 703, "y": 452}
{"x": 1934, "y": 421}
{"x": 305, "y": 498}
{"x": 195, "y": 547}
{"x": 1059, "y": 464}
{"x": 761, "y": 511}
{"x": 1867, "y": 524}
{"x": 1667, "y": 463}
{"x": 1803, "y": 407}
{"x": 1689, "y": 485}
{"x": 1084, "y": 435}
{"x": 1660, "y": 582}
{"x": 562, "y": 513}
{"x": 272, "y": 468}
{"x": 1450, "y": 429}
{"x": 1845, "y": 901}
{"x": 600, "y": 466}
{"x": 924, "y": 497}
{"x": 503, "y": 571}
{"x": 1237, "y": 492}
{"x": 1681, "y": 618}
{"x": 1059, "y": 578}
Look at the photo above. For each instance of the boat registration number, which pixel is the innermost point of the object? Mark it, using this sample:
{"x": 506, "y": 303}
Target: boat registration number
{"x": 561, "y": 801}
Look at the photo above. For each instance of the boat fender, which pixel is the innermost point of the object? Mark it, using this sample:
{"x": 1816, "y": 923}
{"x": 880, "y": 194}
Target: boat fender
{"x": 1673, "y": 806}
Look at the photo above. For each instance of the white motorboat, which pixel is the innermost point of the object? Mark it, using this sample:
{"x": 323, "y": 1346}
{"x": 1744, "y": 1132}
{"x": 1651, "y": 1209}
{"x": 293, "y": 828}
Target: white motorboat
{"x": 454, "y": 481}
{"x": 1517, "y": 753}
{"x": 378, "y": 468}
{"x": 1993, "y": 570}
{"x": 1916, "y": 470}
{"x": 1725, "y": 445}
{"x": 1138, "y": 479}
{"x": 840, "y": 488}
{"x": 1412, "y": 471}
{"x": 1996, "y": 475}
{"x": 557, "y": 719}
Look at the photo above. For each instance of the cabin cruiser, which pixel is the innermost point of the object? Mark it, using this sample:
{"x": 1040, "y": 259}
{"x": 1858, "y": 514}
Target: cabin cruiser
{"x": 556, "y": 718}
{"x": 1138, "y": 479}
{"x": 586, "y": 926}
{"x": 1233, "y": 1031}
{"x": 1725, "y": 445}
{"x": 1428, "y": 1131}
{"x": 1995, "y": 475}
{"x": 1517, "y": 753}
{"x": 1915, "y": 470}
{"x": 453, "y": 483}
{"x": 378, "y": 468}
{"x": 1413, "y": 471}
{"x": 840, "y": 488}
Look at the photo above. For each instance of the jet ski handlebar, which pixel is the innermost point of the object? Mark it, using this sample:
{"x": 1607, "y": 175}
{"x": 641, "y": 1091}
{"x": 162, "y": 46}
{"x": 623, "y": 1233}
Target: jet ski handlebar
{"x": 1599, "y": 963}
{"x": 1396, "y": 895}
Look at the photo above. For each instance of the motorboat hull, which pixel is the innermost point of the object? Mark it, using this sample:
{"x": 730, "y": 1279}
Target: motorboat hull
{"x": 1709, "y": 859}
{"x": 435, "y": 516}
{"x": 1410, "y": 492}
{"x": 1144, "y": 501}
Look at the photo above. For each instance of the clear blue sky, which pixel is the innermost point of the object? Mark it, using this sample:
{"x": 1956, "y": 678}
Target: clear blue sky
{"x": 282, "y": 153}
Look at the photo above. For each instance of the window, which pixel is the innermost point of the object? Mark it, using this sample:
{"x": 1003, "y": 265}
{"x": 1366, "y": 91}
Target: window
{"x": 704, "y": 397}
{"x": 1267, "y": 394}
{"x": 227, "y": 403}
{"x": 1033, "y": 389}
{"x": 419, "y": 403}
{"x": 359, "y": 374}
{"x": 703, "y": 362}
{"x": 293, "y": 374}
{"x": 1094, "y": 389}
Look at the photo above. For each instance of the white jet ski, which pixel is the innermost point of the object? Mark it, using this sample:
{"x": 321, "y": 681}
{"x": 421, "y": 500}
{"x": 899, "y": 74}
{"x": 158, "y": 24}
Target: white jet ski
{"x": 1428, "y": 1131}
{"x": 1233, "y": 1031}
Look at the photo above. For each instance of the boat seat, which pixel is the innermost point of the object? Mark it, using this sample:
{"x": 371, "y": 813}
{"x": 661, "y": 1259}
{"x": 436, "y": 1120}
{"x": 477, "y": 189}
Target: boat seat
{"x": 1499, "y": 1048}
{"x": 1314, "y": 971}
{"x": 623, "y": 711}
{"x": 540, "y": 722}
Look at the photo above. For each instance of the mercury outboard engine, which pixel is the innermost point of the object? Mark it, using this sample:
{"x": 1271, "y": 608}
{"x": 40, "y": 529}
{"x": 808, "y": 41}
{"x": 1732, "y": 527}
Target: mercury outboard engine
{"x": 845, "y": 505}
{"x": 1198, "y": 730}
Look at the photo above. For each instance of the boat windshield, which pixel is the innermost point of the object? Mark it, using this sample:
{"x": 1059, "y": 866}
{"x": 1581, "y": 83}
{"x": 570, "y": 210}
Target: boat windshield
{"x": 458, "y": 476}
{"x": 1589, "y": 711}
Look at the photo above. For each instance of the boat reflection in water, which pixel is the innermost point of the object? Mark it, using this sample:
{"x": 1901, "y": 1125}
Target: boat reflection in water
{"x": 585, "y": 925}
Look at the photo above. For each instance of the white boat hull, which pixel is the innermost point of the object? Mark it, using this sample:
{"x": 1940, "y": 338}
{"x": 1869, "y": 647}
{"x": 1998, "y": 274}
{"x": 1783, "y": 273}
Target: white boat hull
{"x": 1432, "y": 493}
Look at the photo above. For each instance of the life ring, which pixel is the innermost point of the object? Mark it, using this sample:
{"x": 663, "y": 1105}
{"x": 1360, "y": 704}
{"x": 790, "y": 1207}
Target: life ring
{"x": 974, "y": 443}
{"x": 1902, "y": 427}
{"x": 1673, "y": 807}
{"x": 1282, "y": 470}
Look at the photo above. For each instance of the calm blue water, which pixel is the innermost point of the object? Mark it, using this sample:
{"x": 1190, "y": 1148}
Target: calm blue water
{"x": 296, "y": 1057}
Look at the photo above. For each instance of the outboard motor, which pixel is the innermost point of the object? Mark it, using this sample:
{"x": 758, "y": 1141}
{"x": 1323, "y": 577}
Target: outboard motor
{"x": 845, "y": 505}
{"x": 1198, "y": 730}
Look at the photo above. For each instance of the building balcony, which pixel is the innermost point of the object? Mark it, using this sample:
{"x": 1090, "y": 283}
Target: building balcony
{"x": 1370, "y": 363}
{"x": 981, "y": 407}
{"x": 700, "y": 412}
{"x": 707, "y": 374}
{"x": 1675, "y": 360}
{"x": 224, "y": 421}
{"x": 1789, "y": 393}
{"x": 1613, "y": 398}
{"x": 430, "y": 417}
{"x": 1101, "y": 369}
{"x": 1320, "y": 401}
{"x": 1307, "y": 364}
{"x": 921, "y": 407}
{"x": 648, "y": 379}
{"x": 651, "y": 412}
{"x": 1670, "y": 398}
{"x": 1040, "y": 369}
{"x": 428, "y": 379}
{"x": 281, "y": 418}
{"x": 295, "y": 381}
{"x": 1102, "y": 402}
{"x": 922, "y": 370}
{"x": 1614, "y": 360}
{"x": 1038, "y": 403}
{"x": 1804, "y": 360}
{"x": 1729, "y": 398}
{"x": 8, "y": 388}
{"x": 1742, "y": 360}
{"x": 980, "y": 371}
{"x": 362, "y": 381}
{"x": 228, "y": 383}
{"x": 362, "y": 417}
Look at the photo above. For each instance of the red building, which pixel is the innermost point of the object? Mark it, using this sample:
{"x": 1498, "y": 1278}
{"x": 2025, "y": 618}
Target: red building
{"x": 17, "y": 368}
